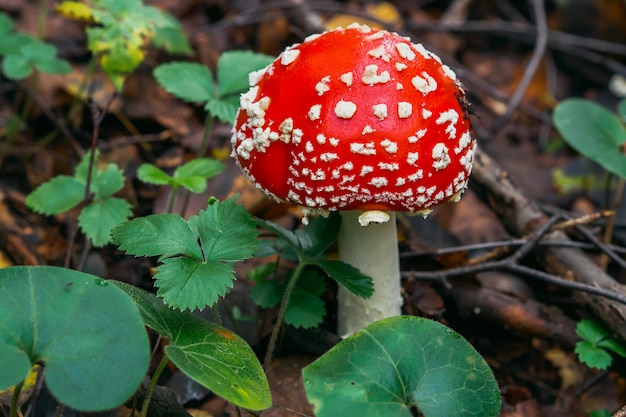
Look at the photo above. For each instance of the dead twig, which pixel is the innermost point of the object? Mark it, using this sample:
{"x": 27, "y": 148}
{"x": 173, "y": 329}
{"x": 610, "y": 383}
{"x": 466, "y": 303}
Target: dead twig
{"x": 530, "y": 70}
{"x": 521, "y": 216}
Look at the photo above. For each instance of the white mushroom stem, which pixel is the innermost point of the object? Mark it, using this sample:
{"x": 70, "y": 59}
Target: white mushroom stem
{"x": 373, "y": 250}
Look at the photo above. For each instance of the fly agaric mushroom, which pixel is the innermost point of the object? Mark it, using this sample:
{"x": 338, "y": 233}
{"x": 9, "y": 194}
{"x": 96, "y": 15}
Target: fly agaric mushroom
{"x": 363, "y": 121}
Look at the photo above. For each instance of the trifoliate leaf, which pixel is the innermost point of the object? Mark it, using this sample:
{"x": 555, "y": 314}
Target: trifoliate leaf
{"x": 151, "y": 174}
{"x": 350, "y": 277}
{"x": 97, "y": 219}
{"x": 56, "y": 196}
{"x": 157, "y": 235}
{"x": 15, "y": 67}
{"x": 267, "y": 294}
{"x": 304, "y": 309}
{"x": 186, "y": 80}
{"x": 233, "y": 68}
{"x": 593, "y": 356}
{"x": 187, "y": 284}
{"x": 227, "y": 232}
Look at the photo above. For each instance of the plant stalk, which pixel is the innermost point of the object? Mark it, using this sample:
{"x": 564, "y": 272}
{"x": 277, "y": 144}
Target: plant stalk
{"x": 373, "y": 250}
{"x": 281, "y": 313}
{"x": 153, "y": 382}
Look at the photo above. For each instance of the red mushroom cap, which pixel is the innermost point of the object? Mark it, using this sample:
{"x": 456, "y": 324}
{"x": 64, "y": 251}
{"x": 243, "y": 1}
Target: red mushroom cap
{"x": 356, "y": 118}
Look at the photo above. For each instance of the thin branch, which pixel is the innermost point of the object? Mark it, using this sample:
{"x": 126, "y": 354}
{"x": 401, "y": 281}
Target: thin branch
{"x": 530, "y": 70}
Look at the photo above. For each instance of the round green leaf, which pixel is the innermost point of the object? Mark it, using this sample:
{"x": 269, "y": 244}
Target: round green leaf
{"x": 88, "y": 333}
{"x": 593, "y": 131}
{"x": 399, "y": 363}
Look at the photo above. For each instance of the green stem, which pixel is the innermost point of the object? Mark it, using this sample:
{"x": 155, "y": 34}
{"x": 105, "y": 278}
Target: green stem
{"x": 15, "y": 399}
{"x": 153, "y": 382}
{"x": 208, "y": 126}
{"x": 172, "y": 199}
{"x": 209, "y": 121}
{"x": 216, "y": 314}
{"x": 281, "y": 313}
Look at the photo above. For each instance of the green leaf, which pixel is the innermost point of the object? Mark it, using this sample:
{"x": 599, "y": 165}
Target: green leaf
{"x": 6, "y": 24}
{"x": 400, "y": 362}
{"x": 600, "y": 413}
{"x": 14, "y": 43}
{"x": 211, "y": 355}
{"x": 54, "y": 66}
{"x": 233, "y": 68}
{"x": 267, "y": 294}
{"x": 188, "y": 284}
{"x": 227, "y": 232}
{"x": 59, "y": 194}
{"x": 320, "y": 233}
{"x": 88, "y": 332}
{"x": 38, "y": 52}
{"x": 312, "y": 280}
{"x": 82, "y": 169}
{"x": 97, "y": 219}
{"x": 593, "y": 131}
{"x": 15, "y": 67}
{"x": 150, "y": 174}
{"x": 288, "y": 236}
{"x": 304, "y": 309}
{"x": 171, "y": 37}
{"x": 591, "y": 331}
{"x": 224, "y": 109}
{"x": 614, "y": 346}
{"x": 186, "y": 80}
{"x": 108, "y": 181}
{"x": 156, "y": 235}
{"x": 592, "y": 355}
{"x": 259, "y": 273}
{"x": 348, "y": 276}
{"x": 194, "y": 174}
